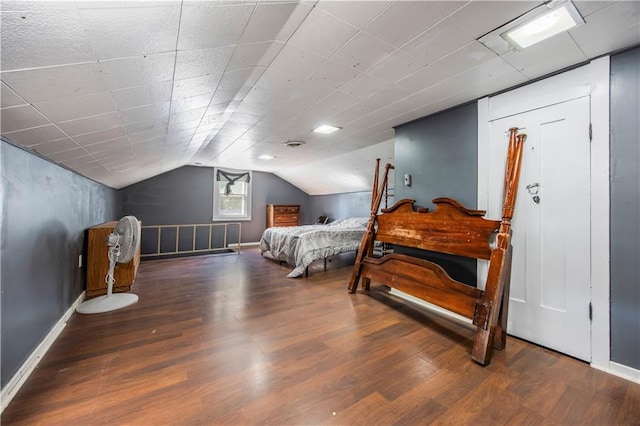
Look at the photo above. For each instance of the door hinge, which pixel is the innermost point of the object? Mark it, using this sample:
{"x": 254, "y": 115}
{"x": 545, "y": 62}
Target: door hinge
{"x": 590, "y": 312}
{"x": 590, "y": 132}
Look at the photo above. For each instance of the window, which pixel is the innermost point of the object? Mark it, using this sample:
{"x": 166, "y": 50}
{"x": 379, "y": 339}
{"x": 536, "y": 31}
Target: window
{"x": 231, "y": 194}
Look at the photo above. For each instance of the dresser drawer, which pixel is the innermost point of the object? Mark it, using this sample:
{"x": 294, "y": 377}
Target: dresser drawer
{"x": 286, "y": 209}
{"x": 283, "y": 215}
{"x": 282, "y": 218}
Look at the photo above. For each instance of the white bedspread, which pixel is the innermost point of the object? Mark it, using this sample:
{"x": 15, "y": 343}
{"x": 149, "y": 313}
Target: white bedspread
{"x": 301, "y": 245}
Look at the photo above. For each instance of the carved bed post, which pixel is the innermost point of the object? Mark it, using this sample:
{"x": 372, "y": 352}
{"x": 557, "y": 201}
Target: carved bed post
{"x": 366, "y": 282}
{"x": 495, "y": 302}
{"x": 367, "y": 239}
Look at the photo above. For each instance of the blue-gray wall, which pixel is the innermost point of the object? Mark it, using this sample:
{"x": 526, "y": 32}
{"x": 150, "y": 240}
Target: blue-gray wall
{"x": 185, "y": 195}
{"x": 440, "y": 153}
{"x": 625, "y": 208}
{"x": 45, "y": 212}
{"x": 339, "y": 206}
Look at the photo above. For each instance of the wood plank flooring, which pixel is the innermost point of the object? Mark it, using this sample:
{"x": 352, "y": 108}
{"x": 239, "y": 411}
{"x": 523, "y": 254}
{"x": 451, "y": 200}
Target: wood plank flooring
{"x": 228, "y": 339}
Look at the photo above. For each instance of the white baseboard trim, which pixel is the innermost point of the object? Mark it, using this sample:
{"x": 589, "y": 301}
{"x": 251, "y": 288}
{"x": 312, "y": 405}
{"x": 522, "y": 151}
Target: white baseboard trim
{"x": 431, "y": 307}
{"x": 620, "y": 370}
{"x": 13, "y": 386}
{"x": 256, "y": 243}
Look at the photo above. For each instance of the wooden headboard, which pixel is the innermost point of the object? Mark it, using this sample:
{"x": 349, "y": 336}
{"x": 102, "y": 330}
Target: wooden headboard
{"x": 452, "y": 229}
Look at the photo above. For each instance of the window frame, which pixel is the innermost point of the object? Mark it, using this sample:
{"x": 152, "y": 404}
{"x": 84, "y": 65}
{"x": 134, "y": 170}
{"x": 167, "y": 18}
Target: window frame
{"x": 217, "y": 216}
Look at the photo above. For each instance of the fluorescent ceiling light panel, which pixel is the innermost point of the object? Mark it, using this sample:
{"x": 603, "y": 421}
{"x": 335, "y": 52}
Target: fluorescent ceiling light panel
{"x": 544, "y": 26}
{"x": 266, "y": 157}
{"x": 326, "y": 129}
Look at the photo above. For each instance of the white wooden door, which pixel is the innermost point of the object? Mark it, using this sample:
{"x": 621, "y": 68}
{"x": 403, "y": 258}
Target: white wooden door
{"x": 550, "y": 281}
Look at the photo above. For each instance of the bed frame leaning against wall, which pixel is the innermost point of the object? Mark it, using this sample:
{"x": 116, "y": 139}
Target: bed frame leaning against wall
{"x": 451, "y": 229}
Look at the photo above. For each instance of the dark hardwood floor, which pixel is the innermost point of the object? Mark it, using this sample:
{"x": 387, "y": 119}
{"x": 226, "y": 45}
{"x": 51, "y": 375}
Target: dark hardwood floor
{"x": 228, "y": 339}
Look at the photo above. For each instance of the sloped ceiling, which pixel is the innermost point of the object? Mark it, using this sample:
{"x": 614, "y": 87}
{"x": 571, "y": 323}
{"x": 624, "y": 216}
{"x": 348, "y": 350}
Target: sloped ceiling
{"x": 122, "y": 91}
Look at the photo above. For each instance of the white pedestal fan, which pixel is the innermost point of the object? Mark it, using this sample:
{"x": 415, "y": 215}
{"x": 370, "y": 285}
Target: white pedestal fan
{"x": 123, "y": 244}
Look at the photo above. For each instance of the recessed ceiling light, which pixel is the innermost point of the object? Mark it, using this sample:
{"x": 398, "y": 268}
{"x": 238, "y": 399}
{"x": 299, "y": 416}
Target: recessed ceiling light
{"x": 326, "y": 129}
{"x": 266, "y": 157}
{"x": 293, "y": 144}
{"x": 544, "y": 25}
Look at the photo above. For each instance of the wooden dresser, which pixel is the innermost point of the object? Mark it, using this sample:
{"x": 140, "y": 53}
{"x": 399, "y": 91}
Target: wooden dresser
{"x": 283, "y": 215}
{"x": 98, "y": 263}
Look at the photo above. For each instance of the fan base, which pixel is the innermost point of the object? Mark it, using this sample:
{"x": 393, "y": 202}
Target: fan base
{"x": 107, "y": 303}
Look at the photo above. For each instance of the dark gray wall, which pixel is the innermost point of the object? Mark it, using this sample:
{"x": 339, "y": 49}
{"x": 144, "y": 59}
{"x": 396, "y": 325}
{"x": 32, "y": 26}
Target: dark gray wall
{"x": 339, "y": 206}
{"x": 625, "y": 208}
{"x": 185, "y": 195}
{"x": 45, "y": 212}
{"x": 440, "y": 153}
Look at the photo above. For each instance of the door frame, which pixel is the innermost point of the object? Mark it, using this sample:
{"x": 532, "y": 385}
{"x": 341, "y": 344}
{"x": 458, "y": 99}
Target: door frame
{"x": 589, "y": 80}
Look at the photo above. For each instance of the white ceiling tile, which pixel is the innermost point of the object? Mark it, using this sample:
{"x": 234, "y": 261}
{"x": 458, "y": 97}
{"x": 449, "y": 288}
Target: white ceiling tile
{"x": 193, "y": 102}
{"x": 91, "y": 124}
{"x": 150, "y": 144}
{"x": 274, "y": 21}
{"x": 21, "y": 5}
{"x": 322, "y": 33}
{"x": 589, "y": 7}
{"x": 544, "y": 57}
{"x": 277, "y": 81}
{"x": 83, "y": 161}
{"x": 194, "y": 114}
{"x": 68, "y": 155}
{"x": 610, "y": 29}
{"x": 206, "y": 25}
{"x": 50, "y": 84}
{"x": 110, "y": 145}
{"x": 355, "y": 13}
{"x": 39, "y": 38}
{"x": 52, "y": 147}
{"x": 246, "y": 119}
{"x": 99, "y": 136}
{"x": 77, "y": 107}
{"x": 194, "y": 86}
{"x": 146, "y": 135}
{"x": 464, "y": 58}
{"x": 143, "y": 95}
{"x": 296, "y": 61}
{"x": 21, "y": 117}
{"x": 477, "y": 18}
{"x": 254, "y": 55}
{"x": 9, "y": 98}
{"x": 146, "y": 113}
{"x": 131, "y": 31}
{"x": 157, "y": 126}
{"x": 236, "y": 84}
{"x": 305, "y": 99}
{"x": 404, "y": 20}
{"x": 182, "y": 127}
{"x": 363, "y": 51}
{"x": 333, "y": 74}
{"x": 35, "y": 135}
{"x": 440, "y": 40}
{"x": 201, "y": 62}
{"x": 138, "y": 71}
{"x": 396, "y": 67}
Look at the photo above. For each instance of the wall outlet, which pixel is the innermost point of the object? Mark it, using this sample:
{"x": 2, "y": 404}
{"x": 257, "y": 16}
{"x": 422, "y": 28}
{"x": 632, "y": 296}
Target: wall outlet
{"x": 80, "y": 261}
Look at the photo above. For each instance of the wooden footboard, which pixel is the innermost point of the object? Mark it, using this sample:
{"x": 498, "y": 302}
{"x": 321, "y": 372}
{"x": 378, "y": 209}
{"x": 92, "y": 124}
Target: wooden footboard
{"x": 424, "y": 280}
{"x": 451, "y": 229}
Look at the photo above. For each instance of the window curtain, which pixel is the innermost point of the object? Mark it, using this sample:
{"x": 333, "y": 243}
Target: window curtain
{"x": 231, "y": 178}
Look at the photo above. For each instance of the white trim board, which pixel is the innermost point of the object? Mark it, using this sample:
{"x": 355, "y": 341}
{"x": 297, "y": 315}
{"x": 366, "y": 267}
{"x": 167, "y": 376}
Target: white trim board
{"x": 589, "y": 80}
{"x": 620, "y": 370}
{"x": 13, "y": 386}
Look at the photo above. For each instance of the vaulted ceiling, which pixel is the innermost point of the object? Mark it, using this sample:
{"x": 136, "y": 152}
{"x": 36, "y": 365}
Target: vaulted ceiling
{"x": 121, "y": 91}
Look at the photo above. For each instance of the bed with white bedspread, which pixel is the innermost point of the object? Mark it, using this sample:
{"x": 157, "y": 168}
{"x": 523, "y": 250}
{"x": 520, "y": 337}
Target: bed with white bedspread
{"x": 301, "y": 245}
